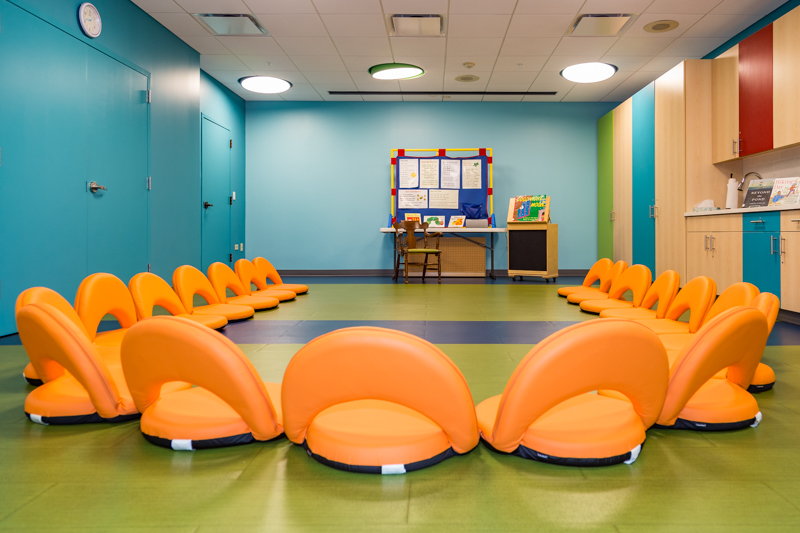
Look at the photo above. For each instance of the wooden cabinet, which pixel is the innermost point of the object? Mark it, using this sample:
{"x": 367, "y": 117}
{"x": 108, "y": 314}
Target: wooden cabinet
{"x": 761, "y": 240}
{"x": 790, "y": 260}
{"x": 725, "y": 106}
{"x": 714, "y": 249}
{"x": 605, "y": 186}
{"x": 786, "y": 79}
{"x": 643, "y": 189}
{"x": 755, "y": 92}
{"x": 623, "y": 174}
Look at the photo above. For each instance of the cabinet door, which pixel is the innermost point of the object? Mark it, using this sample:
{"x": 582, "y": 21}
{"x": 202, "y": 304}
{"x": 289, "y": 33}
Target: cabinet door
{"x": 761, "y": 264}
{"x": 726, "y": 258}
{"x": 698, "y": 258}
{"x": 725, "y": 106}
{"x": 605, "y": 185}
{"x": 623, "y": 170}
{"x": 755, "y": 92}
{"x": 786, "y": 79}
{"x": 790, "y": 267}
{"x": 644, "y": 182}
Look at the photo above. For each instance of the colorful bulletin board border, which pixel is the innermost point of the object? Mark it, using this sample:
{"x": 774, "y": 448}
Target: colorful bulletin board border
{"x": 442, "y": 153}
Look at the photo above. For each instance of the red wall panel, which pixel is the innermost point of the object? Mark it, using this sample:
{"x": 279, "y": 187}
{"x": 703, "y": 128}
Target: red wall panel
{"x": 755, "y": 92}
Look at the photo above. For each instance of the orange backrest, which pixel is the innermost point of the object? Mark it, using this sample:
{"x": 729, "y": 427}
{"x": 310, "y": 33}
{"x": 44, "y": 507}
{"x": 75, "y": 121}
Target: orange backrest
{"x": 43, "y": 295}
{"x": 636, "y": 279}
{"x": 607, "y": 279}
{"x": 596, "y": 272}
{"x": 247, "y": 273}
{"x": 222, "y": 277}
{"x": 734, "y": 339}
{"x": 148, "y": 291}
{"x": 375, "y": 363}
{"x": 697, "y": 296}
{"x": 165, "y": 349}
{"x": 610, "y": 353}
{"x": 100, "y": 295}
{"x": 663, "y": 291}
{"x": 265, "y": 272}
{"x": 188, "y": 281}
{"x": 736, "y": 295}
{"x": 54, "y": 344}
{"x": 769, "y": 304}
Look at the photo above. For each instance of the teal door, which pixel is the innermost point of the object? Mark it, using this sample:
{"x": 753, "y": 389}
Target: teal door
{"x": 216, "y": 190}
{"x": 605, "y": 185}
{"x": 116, "y": 157}
{"x": 644, "y": 178}
{"x": 761, "y": 241}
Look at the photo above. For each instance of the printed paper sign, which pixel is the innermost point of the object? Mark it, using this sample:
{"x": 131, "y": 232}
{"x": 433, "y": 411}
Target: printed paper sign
{"x": 451, "y": 174}
{"x": 412, "y": 198}
{"x": 443, "y": 199}
{"x": 408, "y": 173}
{"x": 429, "y": 173}
{"x": 471, "y": 173}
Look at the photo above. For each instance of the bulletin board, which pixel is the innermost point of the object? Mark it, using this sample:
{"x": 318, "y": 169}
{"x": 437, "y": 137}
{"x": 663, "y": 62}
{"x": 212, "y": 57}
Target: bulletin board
{"x": 451, "y": 191}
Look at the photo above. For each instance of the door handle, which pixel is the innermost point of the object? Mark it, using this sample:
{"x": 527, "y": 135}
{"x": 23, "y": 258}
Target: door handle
{"x": 772, "y": 245}
{"x": 207, "y": 205}
{"x": 94, "y": 187}
{"x": 783, "y": 248}
{"x": 652, "y": 210}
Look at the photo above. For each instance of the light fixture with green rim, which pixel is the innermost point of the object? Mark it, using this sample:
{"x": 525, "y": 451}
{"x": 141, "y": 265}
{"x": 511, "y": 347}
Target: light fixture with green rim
{"x": 265, "y": 84}
{"x": 395, "y": 71}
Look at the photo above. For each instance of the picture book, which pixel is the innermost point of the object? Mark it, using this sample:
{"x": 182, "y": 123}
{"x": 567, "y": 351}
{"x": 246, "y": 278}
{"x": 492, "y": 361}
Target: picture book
{"x": 457, "y": 221}
{"x": 413, "y": 217}
{"x": 531, "y": 208}
{"x": 785, "y": 191}
{"x": 435, "y": 221}
{"x": 758, "y": 193}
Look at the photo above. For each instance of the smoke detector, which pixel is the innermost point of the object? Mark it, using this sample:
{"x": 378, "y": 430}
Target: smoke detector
{"x": 466, "y": 78}
{"x": 661, "y": 26}
{"x": 416, "y": 25}
{"x": 602, "y": 25}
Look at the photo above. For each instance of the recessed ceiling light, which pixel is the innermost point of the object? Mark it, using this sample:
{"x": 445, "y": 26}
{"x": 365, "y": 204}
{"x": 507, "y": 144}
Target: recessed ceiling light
{"x": 265, "y": 84}
{"x": 395, "y": 71}
{"x": 660, "y": 26}
{"x": 589, "y": 72}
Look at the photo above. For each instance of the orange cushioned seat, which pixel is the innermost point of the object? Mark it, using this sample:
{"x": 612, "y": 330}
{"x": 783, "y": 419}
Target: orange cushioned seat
{"x": 149, "y": 290}
{"x": 598, "y": 273}
{"x": 546, "y": 412}
{"x": 697, "y": 296}
{"x": 585, "y": 293}
{"x": 248, "y": 274}
{"x": 231, "y": 405}
{"x": 104, "y": 294}
{"x": 662, "y": 291}
{"x": 222, "y": 278}
{"x": 266, "y": 273}
{"x": 79, "y": 387}
{"x": 188, "y": 281}
{"x": 769, "y": 304}
{"x": 46, "y": 296}
{"x": 377, "y": 401}
{"x": 636, "y": 279}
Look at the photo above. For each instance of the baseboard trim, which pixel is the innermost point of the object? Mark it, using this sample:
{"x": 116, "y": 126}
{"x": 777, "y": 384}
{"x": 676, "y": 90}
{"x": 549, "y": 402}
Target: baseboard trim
{"x": 789, "y": 317}
{"x": 390, "y": 272}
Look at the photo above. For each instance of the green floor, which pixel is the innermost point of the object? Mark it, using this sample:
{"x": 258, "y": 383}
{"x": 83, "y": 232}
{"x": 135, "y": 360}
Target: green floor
{"x": 107, "y": 478}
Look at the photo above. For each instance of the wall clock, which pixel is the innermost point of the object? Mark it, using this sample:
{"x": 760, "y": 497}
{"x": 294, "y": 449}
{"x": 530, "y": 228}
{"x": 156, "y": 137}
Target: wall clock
{"x": 90, "y": 20}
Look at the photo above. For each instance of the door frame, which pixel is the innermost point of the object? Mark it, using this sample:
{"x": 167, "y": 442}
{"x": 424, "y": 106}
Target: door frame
{"x": 204, "y": 116}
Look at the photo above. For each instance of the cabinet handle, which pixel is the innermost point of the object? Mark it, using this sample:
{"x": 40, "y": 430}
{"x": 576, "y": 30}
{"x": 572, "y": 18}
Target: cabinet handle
{"x": 783, "y": 249}
{"x": 655, "y": 211}
{"x": 705, "y": 243}
{"x": 740, "y": 142}
{"x": 759, "y": 221}
{"x": 771, "y": 245}
{"x": 713, "y": 248}
{"x": 795, "y": 220}
{"x": 734, "y": 146}
{"x": 651, "y": 211}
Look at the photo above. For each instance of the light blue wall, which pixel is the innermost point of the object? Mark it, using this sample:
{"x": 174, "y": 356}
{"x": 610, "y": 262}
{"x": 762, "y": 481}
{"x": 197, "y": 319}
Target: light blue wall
{"x": 318, "y": 173}
{"x": 226, "y": 108}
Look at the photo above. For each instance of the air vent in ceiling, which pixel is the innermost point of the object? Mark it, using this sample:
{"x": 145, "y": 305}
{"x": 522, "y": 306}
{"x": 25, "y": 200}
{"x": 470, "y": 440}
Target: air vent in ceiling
{"x": 416, "y": 26}
{"x": 604, "y": 25}
{"x": 225, "y": 24}
{"x": 467, "y": 78}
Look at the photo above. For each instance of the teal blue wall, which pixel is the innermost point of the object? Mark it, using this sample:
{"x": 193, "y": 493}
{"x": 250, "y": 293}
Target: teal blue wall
{"x": 226, "y": 108}
{"x": 318, "y": 173}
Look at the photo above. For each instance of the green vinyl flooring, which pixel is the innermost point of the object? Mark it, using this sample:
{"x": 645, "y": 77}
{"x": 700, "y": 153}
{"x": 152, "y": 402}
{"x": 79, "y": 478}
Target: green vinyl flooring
{"x": 106, "y": 477}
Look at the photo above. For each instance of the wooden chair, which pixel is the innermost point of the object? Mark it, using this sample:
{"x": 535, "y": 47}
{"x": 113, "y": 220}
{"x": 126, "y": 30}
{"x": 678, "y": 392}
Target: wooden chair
{"x": 406, "y": 242}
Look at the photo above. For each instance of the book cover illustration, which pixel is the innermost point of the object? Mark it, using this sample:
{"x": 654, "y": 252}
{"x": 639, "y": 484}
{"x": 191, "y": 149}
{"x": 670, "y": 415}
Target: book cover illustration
{"x": 435, "y": 221}
{"x": 456, "y": 221}
{"x": 785, "y": 191}
{"x": 530, "y": 208}
{"x": 759, "y": 193}
{"x": 413, "y": 217}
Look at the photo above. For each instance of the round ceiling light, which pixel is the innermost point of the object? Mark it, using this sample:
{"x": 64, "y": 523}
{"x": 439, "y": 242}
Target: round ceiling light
{"x": 395, "y": 71}
{"x": 265, "y": 84}
{"x": 467, "y": 78}
{"x": 589, "y": 72}
{"x": 660, "y": 26}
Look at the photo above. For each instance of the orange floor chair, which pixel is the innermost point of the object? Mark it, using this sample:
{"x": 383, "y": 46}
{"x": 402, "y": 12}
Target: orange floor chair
{"x": 734, "y": 340}
{"x": 188, "y": 281}
{"x": 598, "y": 273}
{"x": 79, "y": 386}
{"x": 248, "y": 275}
{"x": 636, "y": 279}
{"x": 266, "y": 273}
{"x": 662, "y": 291}
{"x": 149, "y": 290}
{"x": 230, "y": 405}
{"x": 606, "y": 280}
{"x": 378, "y": 401}
{"x": 769, "y": 304}
{"x": 697, "y": 296}
{"x": 104, "y": 294}
{"x": 548, "y": 413}
{"x": 223, "y": 278}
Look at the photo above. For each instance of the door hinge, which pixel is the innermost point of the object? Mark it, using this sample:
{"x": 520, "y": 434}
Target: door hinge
{"x": 149, "y": 183}
{"x": 231, "y": 146}
{"x": 230, "y": 200}
{"x": 149, "y": 269}
{"x": 230, "y": 258}
{"x": 149, "y": 95}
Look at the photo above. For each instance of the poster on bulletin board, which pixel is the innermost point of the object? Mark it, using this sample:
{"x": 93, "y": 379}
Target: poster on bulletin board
{"x": 445, "y": 183}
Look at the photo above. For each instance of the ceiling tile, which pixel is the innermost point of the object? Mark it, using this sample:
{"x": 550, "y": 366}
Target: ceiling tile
{"x": 213, "y": 6}
{"x": 293, "y": 25}
{"x": 421, "y": 98}
{"x": 684, "y": 20}
{"x": 307, "y": 46}
{"x": 692, "y": 47}
{"x": 280, "y": 6}
{"x": 301, "y": 97}
{"x": 482, "y": 7}
{"x": 300, "y": 89}
{"x": 632, "y": 85}
{"x": 251, "y": 96}
{"x": 482, "y": 64}
{"x": 459, "y": 86}
{"x": 276, "y": 62}
{"x": 551, "y": 81}
{"x": 746, "y": 7}
{"x": 368, "y": 46}
{"x": 520, "y": 63}
{"x": 618, "y": 6}
{"x": 292, "y": 76}
{"x": 525, "y": 7}
{"x": 323, "y": 88}
{"x": 205, "y": 44}
{"x": 554, "y": 98}
{"x": 502, "y": 98}
{"x": 559, "y": 63}
{"x": 180, "y": 23}
{"x": 382, "y": 98}
{"x": 513, "y": 78}
{"x": 661, "y": 64}
{"x": 341, "y": 98}
{"x": 575, "y": 46}
{"x": 459, "y": 46}
{"x": 250, "y": 45}
{"x": 363, "y": 63}
{"x": 539, "y": 25}
{"x": 414, "y": 7}
{"x": 626, "y": 63}
{"x": 529, "y": 46}
{"x": 159, "y": 6}
{"x": 418, "y": 46}
{"x": 428, "y": 82}
{"x": 230, "y": 76}
{"x": 720, "y": 26}
{"x": 365, "y": 82}
{"x": 639, "y": 46}
{"x": 682, "y": 6}
{"x": 477, "y": 25}
{"x": 363, "y": 25}
{"x": 427, "y": 63}
{"x": 348, "y": 6}
{"x": 508, "y": 87}
{"x": 463, "y": 98}
{"x": 594, "y": 92}
{"x": 320, "y": 64}
{"x": 220, "y": 62}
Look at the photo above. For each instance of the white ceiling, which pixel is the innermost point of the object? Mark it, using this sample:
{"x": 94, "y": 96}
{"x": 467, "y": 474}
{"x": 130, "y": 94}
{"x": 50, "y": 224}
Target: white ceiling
{"x": 516, "y": 45}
